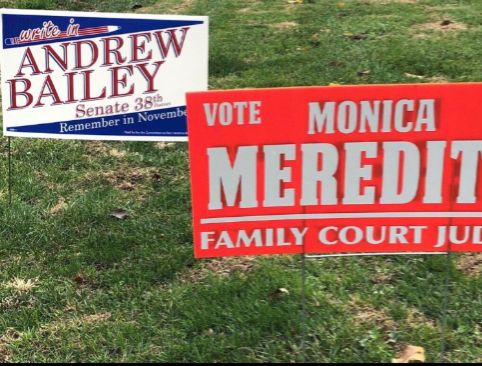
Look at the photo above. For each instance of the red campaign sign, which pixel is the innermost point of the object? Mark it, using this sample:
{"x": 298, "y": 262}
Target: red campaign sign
{"x": 384, "y": 168}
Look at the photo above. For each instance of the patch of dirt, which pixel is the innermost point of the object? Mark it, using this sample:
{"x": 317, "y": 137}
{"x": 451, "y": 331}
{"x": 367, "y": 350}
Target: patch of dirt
{"x": 285, "y": 25}
{"x": 416, "y": 318}
{"x": 4, "y": 353}
{"x": 42, "y": 175}
{"x": 97, "y": 147}
{"x": 63, "y": 324}
{"x": 128, "y": 179}
{"x": 395, "y": 1}
{"x": 438, "y": 26}
{"x": 117, "y": 154}
{"x": 366, "y": 314}
{"x": 20, "y": 296}
{"x": 383, "y": 272}
{"x": 60, "y": 207}
{"x": 249, "y": 9}
{"x": 425, "y": 35}
{"x": 439, "y": 13}
{"x": 439, "y": 79}
{"x": 220, "y": 268}
{"x": 162, "y": 145}
{"x": 245, "y": 10}
{"x": 160, "y": 7}
{"x": 470, "y": 263}
{"x": 10, "y": 335}
{"x": 16, "y": 302}
{"x": 97, "y": 318}
{"x": 12, "y": 260}
{"x": 183, "y": 5}
{"x": 382, "y": 279}
{"x": 444, "y": 7}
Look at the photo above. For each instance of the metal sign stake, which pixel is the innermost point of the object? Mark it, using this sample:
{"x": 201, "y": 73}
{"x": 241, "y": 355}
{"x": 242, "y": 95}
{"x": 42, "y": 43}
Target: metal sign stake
{"x": 303, "y": 304}
{"x": 9, "y": 171}
{"x": 446, "y": 307}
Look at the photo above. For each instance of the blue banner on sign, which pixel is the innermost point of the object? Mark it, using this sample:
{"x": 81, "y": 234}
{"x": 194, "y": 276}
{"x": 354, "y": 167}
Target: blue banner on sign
{"x": 14, "y": 25}
{"x": 161, "y": 122}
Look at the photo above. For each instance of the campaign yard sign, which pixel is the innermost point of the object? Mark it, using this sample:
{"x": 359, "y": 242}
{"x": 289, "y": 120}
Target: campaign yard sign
{"x": 393, "y": 168}
{"x": 99, "y": 76}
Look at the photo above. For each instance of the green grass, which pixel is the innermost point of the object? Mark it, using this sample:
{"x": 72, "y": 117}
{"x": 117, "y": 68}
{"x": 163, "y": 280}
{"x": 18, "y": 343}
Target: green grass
{"x": 139, "y": 295}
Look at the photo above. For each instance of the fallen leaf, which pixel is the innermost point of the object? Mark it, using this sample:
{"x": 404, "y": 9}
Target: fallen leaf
{"x": 414, "y": 76}
{"x": 277, "y": 293}
{"x": 302, "y": 49}
{"x": 347, "y": 34}
{"x": 119, "y": 214}
{"x": 337, "y": 63}
{"x": 79, "y": 279}
{"x": 411, "y": 354}
{"x": 341, "y": 5}
{"x": 137, "y": 6}
{"x": 334, "y": 84}
{"x": 316, "y": 35}
{"x": 363, "y": 73}
{"x": 295, "y": 1}
{"x": 446, "y": 22}
{"x": 210, "y": 333}
{"x": 360, "y": 36}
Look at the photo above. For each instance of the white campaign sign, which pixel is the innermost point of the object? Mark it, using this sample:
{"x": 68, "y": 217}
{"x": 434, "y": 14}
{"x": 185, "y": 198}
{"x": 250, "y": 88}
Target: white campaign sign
{"x": 100, "y": 76}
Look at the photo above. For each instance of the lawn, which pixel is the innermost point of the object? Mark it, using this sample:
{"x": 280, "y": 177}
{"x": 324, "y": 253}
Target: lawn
{"x": 77, "y": 285}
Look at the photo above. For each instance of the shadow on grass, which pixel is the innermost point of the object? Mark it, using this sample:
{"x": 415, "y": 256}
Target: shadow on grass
{"x": 222, "y": 66}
